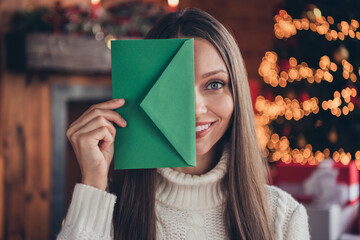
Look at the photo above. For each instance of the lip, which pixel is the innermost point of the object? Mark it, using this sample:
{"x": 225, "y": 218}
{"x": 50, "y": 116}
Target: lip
{"x": 201, "y": 123}
{"x": 204, "y": 132}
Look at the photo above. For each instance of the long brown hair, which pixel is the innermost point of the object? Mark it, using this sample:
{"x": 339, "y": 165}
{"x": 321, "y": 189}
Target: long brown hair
{"x": 246, "y": 213}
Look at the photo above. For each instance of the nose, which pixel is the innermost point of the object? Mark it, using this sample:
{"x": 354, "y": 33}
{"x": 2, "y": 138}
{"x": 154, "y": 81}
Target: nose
{"x": 200, "y": 104}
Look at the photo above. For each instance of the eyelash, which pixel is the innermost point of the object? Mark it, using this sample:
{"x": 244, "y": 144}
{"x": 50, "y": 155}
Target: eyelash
{"x": 219, "y": 82}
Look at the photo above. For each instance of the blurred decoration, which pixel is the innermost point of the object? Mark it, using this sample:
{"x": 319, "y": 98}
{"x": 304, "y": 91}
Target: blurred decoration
{"x": 310, "y": 108}
{"x": 322, "y": 185}
{"x": 173, "y": 5}
{"x": 333, "y": 137}
{"x": 329, "y": 192}
{"x": 340, "y": 54}
{"x": 75, "y": 38}
{"x": 96, "y": 8}
{"x": 123, "y": 20}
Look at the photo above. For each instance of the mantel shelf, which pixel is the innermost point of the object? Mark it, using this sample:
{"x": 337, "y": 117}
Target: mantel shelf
{"x": 67, "y": 53}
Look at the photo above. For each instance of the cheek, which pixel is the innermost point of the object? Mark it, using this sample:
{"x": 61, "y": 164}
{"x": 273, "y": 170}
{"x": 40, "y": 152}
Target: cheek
{"x": 223, "y": 107}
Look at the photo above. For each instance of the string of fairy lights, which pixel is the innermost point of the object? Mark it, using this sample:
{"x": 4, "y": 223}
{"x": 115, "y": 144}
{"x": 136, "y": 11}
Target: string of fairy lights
{"x": 278, "y": 148}
{"x": 269, "y": 70}
{"x": 286, "y": 27}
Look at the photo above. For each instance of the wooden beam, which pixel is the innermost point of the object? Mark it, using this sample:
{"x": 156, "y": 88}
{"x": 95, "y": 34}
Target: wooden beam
{"x": 2, "y": 192}
{"x": 14, "y": 154}
{"x": 38, "y": 160}
{"x": 27, "y": 157}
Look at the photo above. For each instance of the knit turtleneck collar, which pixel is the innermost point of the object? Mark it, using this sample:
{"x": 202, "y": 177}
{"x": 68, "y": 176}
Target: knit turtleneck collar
{"x": 186, "y": 191}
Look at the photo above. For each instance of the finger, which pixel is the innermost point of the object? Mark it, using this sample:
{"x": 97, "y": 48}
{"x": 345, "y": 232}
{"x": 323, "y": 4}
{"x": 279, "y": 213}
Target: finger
{"x": 109, "y": 115}
{"x": 110, "y": 105}
{"x": 95, "y": 137}
{"x": 96, "y": 123}
{"x": 108, "y": 141}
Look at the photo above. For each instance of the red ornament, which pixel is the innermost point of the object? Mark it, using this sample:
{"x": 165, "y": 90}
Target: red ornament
{"x": 286, "y": 130}
{"x": 292, "y": 42}
{"x": 284, "y": 65}
{"x": 304, "y": 96}
{"x": 357, "y": 102}
{"x": 96, "y": 8}
{"x": 269, "y": 96}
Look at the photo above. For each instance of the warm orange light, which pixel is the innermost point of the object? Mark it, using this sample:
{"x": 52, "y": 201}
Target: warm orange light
{"x": 353, "y": 92}
{"x": 327, "y": 76}
{"x": 282, "y": 82}
{"x": 313, "y": 27}
{"x": 326, "y": 152}
{"x": 354, "y": 23}
{"x": 357, "y": 155}
{"x": 288, "y": 108}
{"x": 345, "y": 159}
{"x": 330, "y": 19}
{"x": 351, "y": 33}
{"x": 307, "y": 153}
{"x": 351, "y": 106}
{"x": 341, "y": 36}
{"x": 338, "y": 112}
{"x": 333, "y": 67}
{"x": 293, "y": 62}
{"x": 353, "y": 77}
{"x": 325, "y": 105}
{"x": 343, "y": 93}
{"x": 95, "y": 2}
{"x": 357, "y": 162}
{"x": 344, "y": 25}
{"x": 311, "y": 79}
{"x": 358, "y": 35}
{"x": 173, "y": 3}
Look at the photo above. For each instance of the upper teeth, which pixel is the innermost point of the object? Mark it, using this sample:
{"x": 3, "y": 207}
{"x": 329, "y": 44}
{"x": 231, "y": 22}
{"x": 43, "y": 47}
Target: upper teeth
{"x": 202, "y": 127}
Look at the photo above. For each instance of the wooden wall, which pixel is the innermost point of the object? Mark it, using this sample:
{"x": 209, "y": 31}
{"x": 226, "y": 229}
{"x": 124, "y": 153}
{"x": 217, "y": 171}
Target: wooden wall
{"x": 26, "y": 141}
{"x": 26, "y": 153}
{"x": 2, "y": 191}
{"x": 25, "y": 114}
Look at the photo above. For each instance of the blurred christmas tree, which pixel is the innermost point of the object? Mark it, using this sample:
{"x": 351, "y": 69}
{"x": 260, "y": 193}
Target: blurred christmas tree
{"x": 311, "y": 108}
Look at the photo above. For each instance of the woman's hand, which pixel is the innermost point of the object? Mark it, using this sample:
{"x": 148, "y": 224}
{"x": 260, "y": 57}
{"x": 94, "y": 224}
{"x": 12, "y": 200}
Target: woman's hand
{"x": 92, "y": 138}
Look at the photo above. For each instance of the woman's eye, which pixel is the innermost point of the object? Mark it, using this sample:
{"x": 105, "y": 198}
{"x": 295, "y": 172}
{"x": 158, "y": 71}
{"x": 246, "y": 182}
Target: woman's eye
{"x": 215, "y": 85}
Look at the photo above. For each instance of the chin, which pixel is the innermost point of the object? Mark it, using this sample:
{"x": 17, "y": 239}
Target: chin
{"x": 202, "y": 149}
{"x": 200, "y": 152}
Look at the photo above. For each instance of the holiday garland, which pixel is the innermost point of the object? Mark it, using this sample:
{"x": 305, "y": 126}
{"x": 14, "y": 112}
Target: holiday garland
{"x": 128, "y": 19}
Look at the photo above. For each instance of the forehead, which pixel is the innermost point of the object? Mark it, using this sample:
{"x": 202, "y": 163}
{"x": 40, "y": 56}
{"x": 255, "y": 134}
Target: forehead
{"x": 206, "y": 57}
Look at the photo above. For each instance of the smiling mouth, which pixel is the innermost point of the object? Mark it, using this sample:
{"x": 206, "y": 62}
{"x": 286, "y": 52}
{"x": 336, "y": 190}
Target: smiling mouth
{"x": 203, "y": 127}
{"x": 203, "y": 130}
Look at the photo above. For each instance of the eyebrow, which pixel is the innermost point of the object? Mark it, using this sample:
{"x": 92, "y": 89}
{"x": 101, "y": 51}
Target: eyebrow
{"x": 205, "y": 75}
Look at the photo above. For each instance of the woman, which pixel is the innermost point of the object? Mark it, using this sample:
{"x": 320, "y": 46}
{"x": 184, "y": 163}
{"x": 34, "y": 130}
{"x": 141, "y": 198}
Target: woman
{"x": 223, "y": 197}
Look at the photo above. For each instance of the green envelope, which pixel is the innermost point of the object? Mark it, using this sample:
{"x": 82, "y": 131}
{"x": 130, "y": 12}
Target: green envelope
{"x": 156, "y": 79}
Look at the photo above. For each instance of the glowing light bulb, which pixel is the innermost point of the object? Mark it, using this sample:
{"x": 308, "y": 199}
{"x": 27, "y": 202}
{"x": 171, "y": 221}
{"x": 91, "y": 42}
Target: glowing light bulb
{"x": 173, "y": 3}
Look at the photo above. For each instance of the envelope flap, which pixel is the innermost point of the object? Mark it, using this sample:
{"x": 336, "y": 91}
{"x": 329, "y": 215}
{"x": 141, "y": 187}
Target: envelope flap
{"x": 170, "y": 103}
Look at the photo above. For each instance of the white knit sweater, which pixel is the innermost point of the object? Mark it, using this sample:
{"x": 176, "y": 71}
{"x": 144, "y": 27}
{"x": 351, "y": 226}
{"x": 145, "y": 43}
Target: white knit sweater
{"x": 187, "y": 207}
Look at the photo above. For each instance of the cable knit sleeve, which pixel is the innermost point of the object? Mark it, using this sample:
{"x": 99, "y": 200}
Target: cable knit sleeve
{"x": 298, "y": 228}
{"x": 289, "y": 217}
{"x": 89, "y": 215}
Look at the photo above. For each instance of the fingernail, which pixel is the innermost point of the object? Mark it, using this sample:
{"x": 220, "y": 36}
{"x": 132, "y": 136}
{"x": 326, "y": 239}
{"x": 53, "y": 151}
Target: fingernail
{"x": 124, "y": 122}
{"x": 120, "y": 100}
